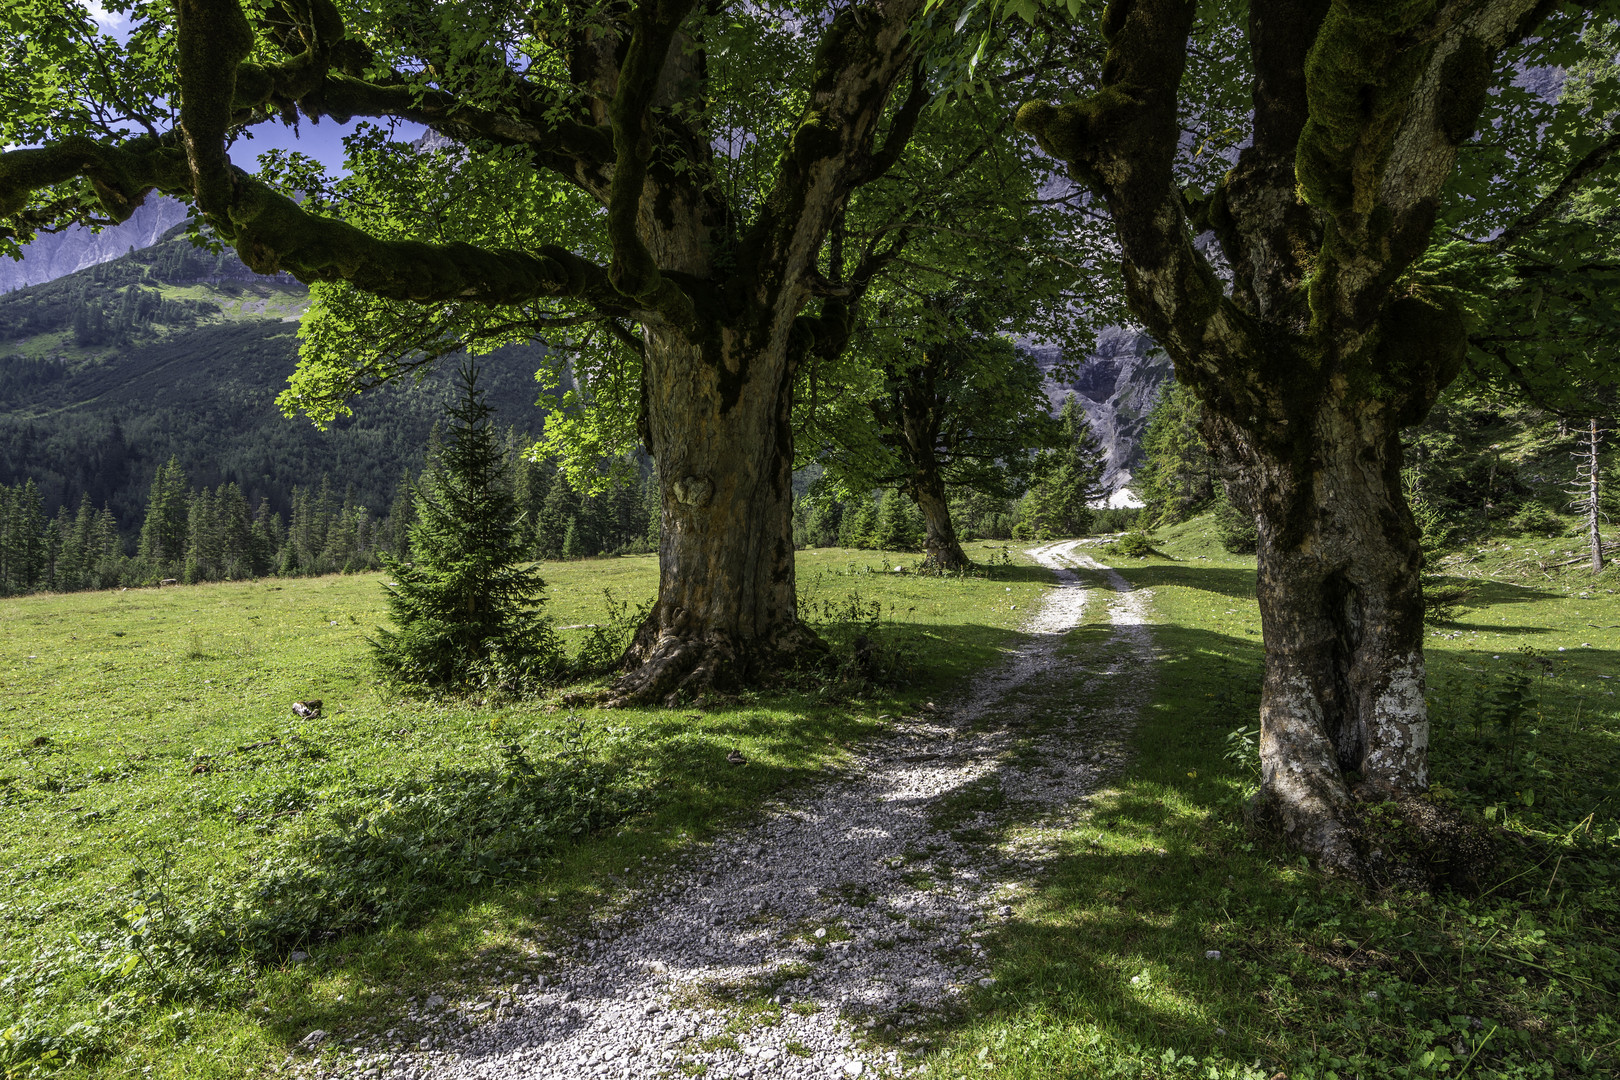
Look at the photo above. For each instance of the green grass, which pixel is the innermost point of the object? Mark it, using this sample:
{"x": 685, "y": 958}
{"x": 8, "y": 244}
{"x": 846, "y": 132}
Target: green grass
{"x": 1103, "y": 971}
{"x": 150, "y": 759}
{"x": 172, "y": 833}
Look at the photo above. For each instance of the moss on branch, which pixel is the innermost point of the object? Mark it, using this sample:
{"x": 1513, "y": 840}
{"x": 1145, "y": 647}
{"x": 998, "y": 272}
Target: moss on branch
{"x": 653, "y": 25}
{"x": 121, "y": 175}
{"x": 272, "y": 233}
{"x": 212, "y": 38}
{"x": 1359, "y": 75}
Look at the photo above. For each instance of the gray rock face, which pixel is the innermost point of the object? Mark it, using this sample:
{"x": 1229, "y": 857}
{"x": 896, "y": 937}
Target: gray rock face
{"x": 55, "y": 255}
{"x": 1118, "y": 383}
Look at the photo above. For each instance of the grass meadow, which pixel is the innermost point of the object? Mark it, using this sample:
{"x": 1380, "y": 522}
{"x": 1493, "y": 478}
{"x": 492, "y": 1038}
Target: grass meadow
{"x": 172, "y": 834}
{"x": 194, "y": 877}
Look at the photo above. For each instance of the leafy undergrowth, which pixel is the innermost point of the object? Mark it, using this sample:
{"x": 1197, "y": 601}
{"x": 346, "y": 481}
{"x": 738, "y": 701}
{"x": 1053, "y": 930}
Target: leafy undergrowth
{"x": 195, "y": 878}
{"x": 1166, "y": 942}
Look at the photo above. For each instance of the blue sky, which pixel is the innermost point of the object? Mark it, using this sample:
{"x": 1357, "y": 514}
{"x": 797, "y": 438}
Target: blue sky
{"x": 323, "y": 141}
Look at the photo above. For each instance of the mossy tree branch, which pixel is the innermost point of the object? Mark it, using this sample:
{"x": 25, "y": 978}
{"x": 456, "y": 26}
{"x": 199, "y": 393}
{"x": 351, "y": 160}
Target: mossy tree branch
{"x": 1359, "y": 111}
{"x": 1121, "y": 142}
{"x": 272, "y": 233}
{"x": 634, "y": 271}
{"x": 858, "y": 59}
{"x": 212, "y": 38}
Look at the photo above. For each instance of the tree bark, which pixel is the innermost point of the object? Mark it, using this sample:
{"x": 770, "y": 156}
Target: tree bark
{"x": 941, "y": 549}
{"x": 717, "y": 422}
{"x": 1342, "y": 615}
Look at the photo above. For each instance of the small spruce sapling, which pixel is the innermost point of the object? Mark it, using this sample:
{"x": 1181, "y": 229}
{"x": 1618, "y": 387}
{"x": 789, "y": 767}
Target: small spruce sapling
{"x": 467, "y": 607}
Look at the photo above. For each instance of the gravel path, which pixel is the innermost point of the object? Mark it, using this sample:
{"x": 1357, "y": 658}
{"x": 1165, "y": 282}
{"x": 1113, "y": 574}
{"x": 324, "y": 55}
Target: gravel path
{"x": 814, "y": 943}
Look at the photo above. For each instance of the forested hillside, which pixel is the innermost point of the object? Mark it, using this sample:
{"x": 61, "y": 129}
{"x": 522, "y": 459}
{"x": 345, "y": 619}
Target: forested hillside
{"x": 178, "y": 351}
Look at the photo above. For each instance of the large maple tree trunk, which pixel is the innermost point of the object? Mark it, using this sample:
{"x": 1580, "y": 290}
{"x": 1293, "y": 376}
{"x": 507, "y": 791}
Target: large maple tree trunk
{"x": 1342, "y": 615}
{"x": 718, "y": 425}
{"x": 942, "y": 550}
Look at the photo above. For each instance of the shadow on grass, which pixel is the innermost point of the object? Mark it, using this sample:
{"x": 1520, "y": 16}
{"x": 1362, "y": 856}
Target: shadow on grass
{"x": 1107, "y": 966}
{"x": 1490, "y": 628}
{"x": 1128, "y": 895}
{"x": 1486, "y": 593}
{"x": 1236, "y": 582}
{"x": 1016, "y": 572}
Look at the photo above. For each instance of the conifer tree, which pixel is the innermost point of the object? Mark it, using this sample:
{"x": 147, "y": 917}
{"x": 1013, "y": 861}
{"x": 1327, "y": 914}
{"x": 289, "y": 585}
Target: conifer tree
{"x": 29, "y": 524}
{"x": 1177, "y": 478}
{"x": 899, "y": 524}
{"x": 859, "y": 524}
{"x": 572, "y": 546}
{"x": 1078, "y": 480}
{"x": 235, "y": 533}
{"x": 561, "y": 507}
{"x": 202, "y": 538}
{"x": 467, "y": 609}
{"x": 110, "y": 561}
{"x": 396, "y": 538}
{"x": 165, "y": 531}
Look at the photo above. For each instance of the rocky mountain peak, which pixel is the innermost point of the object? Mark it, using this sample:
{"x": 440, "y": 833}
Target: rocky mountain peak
{"x": 1117, "y": 381}
{"x": 54, "y": 255}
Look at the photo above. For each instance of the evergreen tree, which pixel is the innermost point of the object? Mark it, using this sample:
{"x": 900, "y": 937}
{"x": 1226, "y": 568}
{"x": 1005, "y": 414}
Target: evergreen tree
{"x": 342, "y": 548}
{"x": 1077, "y": 482}
{"x": 396, "y": 537}
{"x": 32, "y": 553}
{"x": 562, "y": 506}
{"x": 899, "y": 524}
{"x": 267, "y": 537}
{"x": 573, "y": 547}
{"x": 1068, "y": 480}
{"x": 652, "y": 510}
{"x": 166, "y": 528}
{"x": 110, "y": 563}
{"x": 24, "y": 552}
{"x": 983, "y": 516}
{"x": 1177, "y": 479}
{"x": 859, "y": 524}
{"x": 467, "y": 609}
{"x": 235, "y": 533}
{"x": 72, "y": 565}
{"x": 202, "y": 542}
{"x": 297, "y": 554}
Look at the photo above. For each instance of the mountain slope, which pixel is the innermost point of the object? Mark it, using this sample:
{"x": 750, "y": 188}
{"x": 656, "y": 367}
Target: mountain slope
{"x": 173, "y": 350}
{"x": 1117, "y": 383}
{"x": 53, "y": 255}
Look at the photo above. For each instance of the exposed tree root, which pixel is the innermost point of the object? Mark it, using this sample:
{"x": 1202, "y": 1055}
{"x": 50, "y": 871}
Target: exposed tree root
{"x": 1384, "y": 838}
{"x": 662, "y": 666}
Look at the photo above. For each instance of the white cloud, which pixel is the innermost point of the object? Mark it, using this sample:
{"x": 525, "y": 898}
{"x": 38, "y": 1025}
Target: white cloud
{"x": 107, "y": 20}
